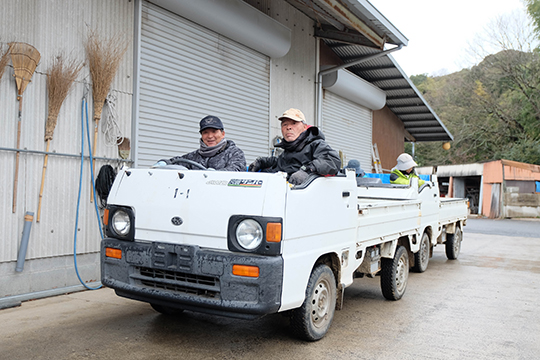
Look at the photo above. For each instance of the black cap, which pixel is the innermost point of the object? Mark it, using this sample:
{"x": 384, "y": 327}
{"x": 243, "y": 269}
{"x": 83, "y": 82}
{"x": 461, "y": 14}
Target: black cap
{"x": 210, "y": 122}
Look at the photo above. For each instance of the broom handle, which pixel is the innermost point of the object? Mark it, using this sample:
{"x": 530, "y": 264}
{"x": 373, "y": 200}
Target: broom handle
{"x": 43, "y": 180}
{"x": 93, "y": 158}
{"x": 16, "y": 181}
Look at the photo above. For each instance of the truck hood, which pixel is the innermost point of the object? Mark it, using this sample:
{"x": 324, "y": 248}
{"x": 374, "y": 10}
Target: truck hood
{"x": 177, "y": 206}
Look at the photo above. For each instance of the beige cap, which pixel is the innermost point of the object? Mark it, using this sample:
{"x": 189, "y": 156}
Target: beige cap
{"x": 293, "y": 114}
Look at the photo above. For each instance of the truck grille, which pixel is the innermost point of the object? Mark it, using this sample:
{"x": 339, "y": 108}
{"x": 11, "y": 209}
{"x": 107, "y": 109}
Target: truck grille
{"x": 178, "y": 282}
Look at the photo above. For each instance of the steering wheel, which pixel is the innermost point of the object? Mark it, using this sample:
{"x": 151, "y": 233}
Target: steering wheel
{"x": 191, "y": 162}
{"x": 178, "y": 164}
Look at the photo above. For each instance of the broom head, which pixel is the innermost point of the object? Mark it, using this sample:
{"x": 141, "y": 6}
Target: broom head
{"x": 60, "y": 78}
{"x": 104, "y": 58}
{"x": 25, "y": 59}
{"x": 4, "y": 61}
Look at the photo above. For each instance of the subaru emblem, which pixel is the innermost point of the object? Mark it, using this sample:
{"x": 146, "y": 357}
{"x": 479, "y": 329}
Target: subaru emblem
{"x": 177, "y": 221}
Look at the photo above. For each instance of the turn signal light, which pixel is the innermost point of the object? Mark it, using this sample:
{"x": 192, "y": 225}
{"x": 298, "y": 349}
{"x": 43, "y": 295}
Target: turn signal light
{"x": 273, "y": 232}
{"x": 106, "y": 217}
{"x": 245, "y": 270}
{"x": 113, "y": 253}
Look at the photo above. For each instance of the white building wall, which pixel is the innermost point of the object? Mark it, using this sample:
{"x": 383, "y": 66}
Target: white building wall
{"x": 52, "y": 28}
{"x": 293, "y": 77}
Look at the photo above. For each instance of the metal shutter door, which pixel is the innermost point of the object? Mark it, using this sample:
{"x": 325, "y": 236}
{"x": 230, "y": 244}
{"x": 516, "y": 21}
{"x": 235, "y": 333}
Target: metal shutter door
{"x": 347, "y": 127}
{"x": 188, "y": 72}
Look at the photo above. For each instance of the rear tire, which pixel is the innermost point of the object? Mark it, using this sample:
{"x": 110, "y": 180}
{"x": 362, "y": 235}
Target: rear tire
{"x": 453, "y": 244}
{"x": 166, "y": 310}
{"x": 312, "y": 320}
{"x": 394, "y": 274}
{"x": 421, "y": 258}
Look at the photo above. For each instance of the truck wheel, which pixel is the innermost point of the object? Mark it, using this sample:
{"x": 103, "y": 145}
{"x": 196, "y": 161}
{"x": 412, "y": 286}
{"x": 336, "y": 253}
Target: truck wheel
{"x": 421, "y": 258}
{"x": 312, "y": 320}
{"x": 166, "y": 310}
{"x": 453, "y": 244}
{"x": 394, "y": 274}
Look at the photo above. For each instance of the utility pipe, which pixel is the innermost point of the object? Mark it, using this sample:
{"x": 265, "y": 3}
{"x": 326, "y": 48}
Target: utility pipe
{"x": 65, "y": 155}
{"x": 28, "y": 218}
{"x": 321, "y": 73}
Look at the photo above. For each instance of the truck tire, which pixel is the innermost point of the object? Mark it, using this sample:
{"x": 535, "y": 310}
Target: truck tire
{"x": 453, "y": 244}
{"x": 312, "y": 320}
{"x": 166, "y": 310}
{"x": 394, "y": 274}
{"x": 421, "y": 258}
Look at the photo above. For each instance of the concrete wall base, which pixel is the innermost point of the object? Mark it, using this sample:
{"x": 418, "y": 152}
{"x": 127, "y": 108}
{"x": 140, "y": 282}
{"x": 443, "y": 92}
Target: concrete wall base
{"x": 41, "y": 275}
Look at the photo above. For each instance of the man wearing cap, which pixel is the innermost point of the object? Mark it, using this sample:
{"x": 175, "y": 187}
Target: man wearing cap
{"x": 403, "y": 172}
{"x": 305, "y": 151}
{"x": 215, "y": 152}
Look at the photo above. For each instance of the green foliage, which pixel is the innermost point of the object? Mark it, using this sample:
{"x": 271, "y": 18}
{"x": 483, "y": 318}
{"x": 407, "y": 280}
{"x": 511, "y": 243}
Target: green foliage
{"x": 493, "y": 111}
{"x": 533, "y": 9}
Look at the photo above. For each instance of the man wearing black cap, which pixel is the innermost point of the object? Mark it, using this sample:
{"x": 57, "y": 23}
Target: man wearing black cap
{"x": 215, "y": 151}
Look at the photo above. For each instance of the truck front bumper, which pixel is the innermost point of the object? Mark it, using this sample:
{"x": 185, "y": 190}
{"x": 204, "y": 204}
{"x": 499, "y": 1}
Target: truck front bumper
{"x": 191, "y": 278}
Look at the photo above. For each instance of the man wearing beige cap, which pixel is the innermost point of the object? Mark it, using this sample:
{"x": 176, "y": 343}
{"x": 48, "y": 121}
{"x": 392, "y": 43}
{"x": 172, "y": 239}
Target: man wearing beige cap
{"x": 305, "y": 151}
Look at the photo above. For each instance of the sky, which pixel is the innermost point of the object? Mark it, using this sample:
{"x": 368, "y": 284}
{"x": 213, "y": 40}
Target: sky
{"x": 439, "y": 31}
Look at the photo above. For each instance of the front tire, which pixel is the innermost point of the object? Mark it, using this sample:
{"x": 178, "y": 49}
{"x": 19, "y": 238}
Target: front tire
{"x": 394, "y": 274}
{"x": 312, "y": 320}
{"x": 421, "y": 258}
{"x": 453, "y": 244}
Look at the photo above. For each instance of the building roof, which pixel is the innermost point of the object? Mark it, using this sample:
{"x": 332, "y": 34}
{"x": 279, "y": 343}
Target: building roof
{"x": 354, "y": 29}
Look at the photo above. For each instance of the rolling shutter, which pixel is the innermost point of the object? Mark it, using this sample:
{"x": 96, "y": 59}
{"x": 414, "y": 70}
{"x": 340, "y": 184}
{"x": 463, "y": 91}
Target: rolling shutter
{"x": 188, "y": 72}
{"x": 347, "y": 127}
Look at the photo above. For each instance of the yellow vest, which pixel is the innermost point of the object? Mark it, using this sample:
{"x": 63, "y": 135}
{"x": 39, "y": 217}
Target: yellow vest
{"x": 404, "y": 179}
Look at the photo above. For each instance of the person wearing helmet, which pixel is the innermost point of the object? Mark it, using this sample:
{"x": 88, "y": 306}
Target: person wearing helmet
{"x": 403, "y": 172}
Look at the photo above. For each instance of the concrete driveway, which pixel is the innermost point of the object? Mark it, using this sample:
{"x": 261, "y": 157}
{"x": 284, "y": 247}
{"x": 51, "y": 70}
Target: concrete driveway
{"x": 482, "y": 306}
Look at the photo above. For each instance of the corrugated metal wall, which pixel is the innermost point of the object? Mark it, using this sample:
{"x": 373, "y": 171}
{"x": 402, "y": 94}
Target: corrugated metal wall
{"x": 347, "y": 127}
{"x": 53, "y": 27}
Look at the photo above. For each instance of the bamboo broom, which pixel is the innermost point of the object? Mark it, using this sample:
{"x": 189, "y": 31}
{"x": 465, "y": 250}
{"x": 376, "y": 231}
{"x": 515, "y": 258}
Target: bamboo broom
{"x": 25, "y": 59}
{"x": 60, "y": 78}
{"x": 3, "y": 62}
{"x": 104, "y": 58}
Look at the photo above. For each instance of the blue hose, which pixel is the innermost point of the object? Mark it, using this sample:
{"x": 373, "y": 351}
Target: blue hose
{"x": 84, "y": 110}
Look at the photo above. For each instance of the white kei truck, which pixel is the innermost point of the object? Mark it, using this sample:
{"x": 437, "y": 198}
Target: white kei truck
{"x": 246, "y": 244}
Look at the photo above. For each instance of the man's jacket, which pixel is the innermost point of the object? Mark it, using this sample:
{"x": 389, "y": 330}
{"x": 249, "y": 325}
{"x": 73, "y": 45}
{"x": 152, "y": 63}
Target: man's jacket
{"x": 397, "y": 177}
{"x": 309, "y": 150}
{"x": 229, "y": 158}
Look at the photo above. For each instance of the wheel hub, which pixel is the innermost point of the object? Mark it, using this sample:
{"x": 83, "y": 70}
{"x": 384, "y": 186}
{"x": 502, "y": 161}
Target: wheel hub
{"x": 320, "y": 304}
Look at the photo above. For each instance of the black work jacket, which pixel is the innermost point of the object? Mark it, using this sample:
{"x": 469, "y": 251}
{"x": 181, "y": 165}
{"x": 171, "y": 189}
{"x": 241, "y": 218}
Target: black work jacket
{"x": 310, "y": 150}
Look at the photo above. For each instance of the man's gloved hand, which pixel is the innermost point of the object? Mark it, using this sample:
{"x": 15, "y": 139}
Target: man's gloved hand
{"x": 298, "y": 177}
{"x": 255, "y": 166}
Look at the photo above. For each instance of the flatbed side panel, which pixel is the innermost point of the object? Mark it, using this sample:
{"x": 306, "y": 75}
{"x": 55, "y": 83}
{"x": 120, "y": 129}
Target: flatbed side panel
{"x": 387, "y": 221}
{"x": 452, "y": 210}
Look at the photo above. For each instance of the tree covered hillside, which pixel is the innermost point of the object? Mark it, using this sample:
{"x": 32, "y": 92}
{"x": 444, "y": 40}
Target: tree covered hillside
{"x": 491, "y": 109}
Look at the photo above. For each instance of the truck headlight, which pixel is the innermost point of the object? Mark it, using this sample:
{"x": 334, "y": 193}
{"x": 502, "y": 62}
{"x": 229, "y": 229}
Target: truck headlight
{"x": 249, "y": 234}
{"x": 255, "y": 234}
{"x": 121, "y": 223}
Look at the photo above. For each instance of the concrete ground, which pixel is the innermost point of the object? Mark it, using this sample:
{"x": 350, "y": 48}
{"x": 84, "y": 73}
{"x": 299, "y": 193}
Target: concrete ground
{"x": 482, "y": 306}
